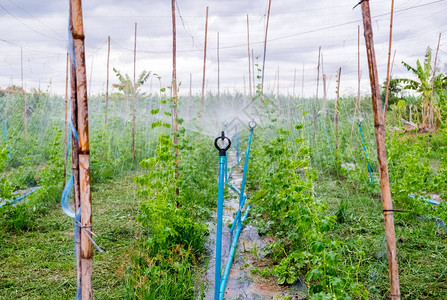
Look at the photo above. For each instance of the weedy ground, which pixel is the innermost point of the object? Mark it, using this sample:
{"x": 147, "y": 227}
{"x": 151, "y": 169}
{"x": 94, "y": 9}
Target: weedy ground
{"x": 422, "y": 248}
{"x": 40, "y": 264}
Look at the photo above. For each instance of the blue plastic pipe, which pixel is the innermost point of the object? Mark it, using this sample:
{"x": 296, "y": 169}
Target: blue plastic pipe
{"x": 231, "y": 256}
{"x": 220, "y": 198}
{"x": 366, "y": 153}
{"x": 5, "y": 138}
{"x": 20, "y": 197}
{"x": 325, "y": 132}
{"x": 429, "y": 200}
{"x": 238, "y": 220}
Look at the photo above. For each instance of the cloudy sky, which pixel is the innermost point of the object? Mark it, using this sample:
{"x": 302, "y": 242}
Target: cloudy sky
{"x": 297, "y": 29}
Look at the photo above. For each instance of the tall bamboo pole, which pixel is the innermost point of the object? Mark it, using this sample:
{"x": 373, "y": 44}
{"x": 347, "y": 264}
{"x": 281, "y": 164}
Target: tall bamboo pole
{"x": 134, "y": 91}
{"x": 388, "y": 63}
{"x": 316, "y": 97}
{"x": 202, "y": 100}
{"x": 84, "y": 150}
{"x": 337, "y": 113}
{"x": 294, "y": 84}
{"x": 190, "y": 96}
{"x": 66, "y": 117}
{"x": 430, "y": 120}
{"x": 107, "y": 82}
{"x": 302, "y": 84}
{"x": 174, "y": 90}
{"x": 381, "y": 154}
{"x": 253, "y": 71}
{"x": 218, "y": 82}
{"x": 324, "y": 108}
{"x": 249, "y": 63}
{"x": 265, "y": 46}
{"x": 357, "y": 101}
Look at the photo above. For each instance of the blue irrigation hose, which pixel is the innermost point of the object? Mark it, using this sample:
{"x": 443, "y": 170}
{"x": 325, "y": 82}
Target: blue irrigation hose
{"x": 5, "y": 138}
{"x": 366, "y": 153}
{"x": 429, "y": 200}
{"x": 238, "y": 220}
{"x": 19, "y": 198}
{"x": 220, "y": 199}
{"x": 231, "y": 256}
{"x": 325, "y": 132}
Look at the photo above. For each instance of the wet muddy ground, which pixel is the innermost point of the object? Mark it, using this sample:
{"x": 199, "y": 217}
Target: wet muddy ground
{"x": 241, "y": 283}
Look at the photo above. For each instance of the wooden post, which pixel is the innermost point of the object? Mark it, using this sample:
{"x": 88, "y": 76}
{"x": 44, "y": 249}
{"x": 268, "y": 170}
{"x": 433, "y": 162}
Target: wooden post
{"x": 218, "y": 82}
{"x": 202, "y": 100}
{"x": 337, "y": 113}
{"x": 174, "y": 90}
{"x": 66, "y": 117}
{"x": 265, "y": 46}
{"x": 86, "y": 252}
{"x": 107, "y": 82}
{"x": 381, "y": 154}
{"x": 249, "y": 63}
{"x": 357, "y": 101}
{"x": 134, "y": 91}
{"x": 316, "y": 97}
{"x": 430, "y": 120}
{"x": 75, "y": 158}
{"x": 388, "y": 64}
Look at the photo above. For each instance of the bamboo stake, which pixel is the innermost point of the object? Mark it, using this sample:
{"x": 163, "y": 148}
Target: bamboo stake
{"x": 84, "y": 149}
{"x": 253, "y": 71}
{"x": 294, "y": 84}
{"x": 388, "y": 63}
{"x": 134, "y": 91}
{"x": 248, "y": 51}
{"x": 381, "y": 153}
{"x": 65, "y": 123}
{"x": 245, "y": 86}
{"x": 107, "y": 82}
{"x": 189, "y": 96}
{"x": 277, "y": 88}
{"x": 265, "y": 46}
{"x": 218, "y": 81}
{"x": 174, "y": 90}
{"x": 324, "y": 108}
{"x": 433, "y": 86}
{"x": 24, "y": 105}
{"x": 302, "y": 84}
{"x": 316, "y": 98}
{"x": 357, "y": 101}
{"x": 337, "y": 113}
{"x": 202, "y": 100}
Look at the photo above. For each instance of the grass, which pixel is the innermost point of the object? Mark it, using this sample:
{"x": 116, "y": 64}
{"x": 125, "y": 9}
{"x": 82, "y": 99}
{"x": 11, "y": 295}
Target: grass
{"x": 422, "y": 248}
{"x": 40, "y": 264}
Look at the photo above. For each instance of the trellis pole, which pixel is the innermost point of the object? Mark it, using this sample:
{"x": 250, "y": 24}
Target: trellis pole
{"x": 249, "y": 62}
{"x": 337, "y": 113}
{"x": 134, "y": 91}
{"x": 202, "y": 99}
{"x": 81, "y": 105}
{"x": 107, "y": 82}
{"x": 357, "y": 101}
{"x": 379, "y": 125}
{"x": 388, "y": 63}
{"x": 174, "y": 91}
{"x": 265, "y": 46}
